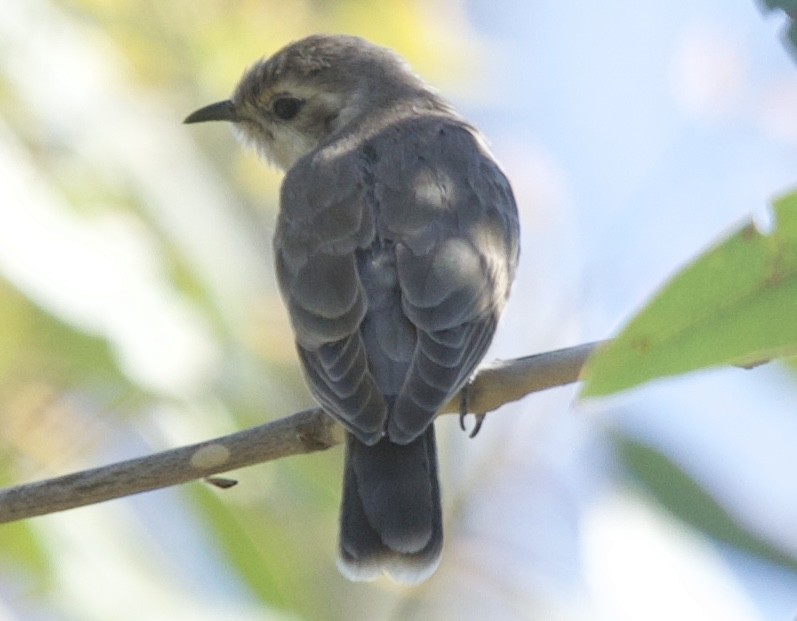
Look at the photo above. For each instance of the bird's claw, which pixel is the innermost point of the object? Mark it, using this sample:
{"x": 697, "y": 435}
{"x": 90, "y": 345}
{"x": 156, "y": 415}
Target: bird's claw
{"x": 477, "y": 427}
{"x": 463, "y": 405}
{"x": 463, "y": 412}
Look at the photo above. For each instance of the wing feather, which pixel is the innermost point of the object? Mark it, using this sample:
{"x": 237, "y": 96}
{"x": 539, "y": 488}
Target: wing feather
{"x": 395, "y": 260}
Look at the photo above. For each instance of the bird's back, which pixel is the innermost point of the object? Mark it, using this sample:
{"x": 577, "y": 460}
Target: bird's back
{"x": 426, "y": 224}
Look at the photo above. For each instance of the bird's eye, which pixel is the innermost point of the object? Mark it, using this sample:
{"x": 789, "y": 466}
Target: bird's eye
{"x": 287, "y": 108}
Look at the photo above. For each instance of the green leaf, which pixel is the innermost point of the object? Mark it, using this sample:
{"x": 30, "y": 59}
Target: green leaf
{"x": 736, "y": 304}
{"x": 680, "y": 494}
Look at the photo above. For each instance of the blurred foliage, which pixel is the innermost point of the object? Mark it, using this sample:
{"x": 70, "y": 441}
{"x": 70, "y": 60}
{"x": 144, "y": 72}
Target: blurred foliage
{"x": 732, "y": 305}
{"x": 38, "y": 345}
{"x": 686, "y": 499}
{"x": 790, "y": 8}
{"x": 22, "y": 548}
{"x": 301, "y": 507}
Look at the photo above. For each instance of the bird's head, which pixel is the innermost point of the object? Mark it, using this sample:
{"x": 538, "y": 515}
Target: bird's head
{"x": 289, "y": 104}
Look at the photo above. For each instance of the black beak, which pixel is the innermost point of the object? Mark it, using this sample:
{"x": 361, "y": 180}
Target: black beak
{"x": 219, "y": 111}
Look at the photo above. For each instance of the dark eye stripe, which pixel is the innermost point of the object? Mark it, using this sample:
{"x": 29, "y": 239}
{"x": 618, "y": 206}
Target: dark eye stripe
{"x": 287, "y": 108}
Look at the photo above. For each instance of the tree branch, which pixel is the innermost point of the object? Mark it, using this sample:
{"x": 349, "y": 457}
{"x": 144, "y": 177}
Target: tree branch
{"x": 305, "y": 432}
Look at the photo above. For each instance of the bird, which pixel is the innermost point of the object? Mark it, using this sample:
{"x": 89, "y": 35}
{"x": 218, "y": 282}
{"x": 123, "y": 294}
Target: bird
{"x": 395, "y": 248}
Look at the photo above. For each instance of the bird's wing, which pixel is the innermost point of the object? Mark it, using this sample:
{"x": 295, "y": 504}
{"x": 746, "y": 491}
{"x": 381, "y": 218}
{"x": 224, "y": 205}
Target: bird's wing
{"x": 395, "y": 259}
{"x": 322, "y": 223}
{"x": 451, "y": 211}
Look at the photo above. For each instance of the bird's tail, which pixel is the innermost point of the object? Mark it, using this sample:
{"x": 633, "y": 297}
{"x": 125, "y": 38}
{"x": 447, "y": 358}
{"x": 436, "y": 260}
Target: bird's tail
{"x": 390, "y": 518}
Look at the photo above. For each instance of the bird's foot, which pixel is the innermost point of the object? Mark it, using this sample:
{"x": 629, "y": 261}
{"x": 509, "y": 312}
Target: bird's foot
{"x": 464, "y": 397}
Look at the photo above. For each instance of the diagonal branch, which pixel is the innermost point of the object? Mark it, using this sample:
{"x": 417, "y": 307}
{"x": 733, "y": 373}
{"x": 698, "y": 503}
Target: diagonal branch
{"x": 311, "y": 430}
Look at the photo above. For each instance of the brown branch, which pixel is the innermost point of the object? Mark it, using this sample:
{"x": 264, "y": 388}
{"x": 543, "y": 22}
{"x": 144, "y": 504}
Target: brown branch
{"x": 305, "y": 432}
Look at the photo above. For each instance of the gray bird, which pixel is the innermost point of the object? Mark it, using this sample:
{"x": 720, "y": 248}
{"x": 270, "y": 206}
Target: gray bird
{"x": 395, "y": 248}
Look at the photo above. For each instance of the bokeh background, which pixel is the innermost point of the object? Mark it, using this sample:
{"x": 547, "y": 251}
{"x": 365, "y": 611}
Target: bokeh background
{"x": 138, "y": 312}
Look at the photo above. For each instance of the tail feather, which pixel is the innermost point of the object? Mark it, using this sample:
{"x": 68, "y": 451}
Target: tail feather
{"x": 391, "y": 520}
